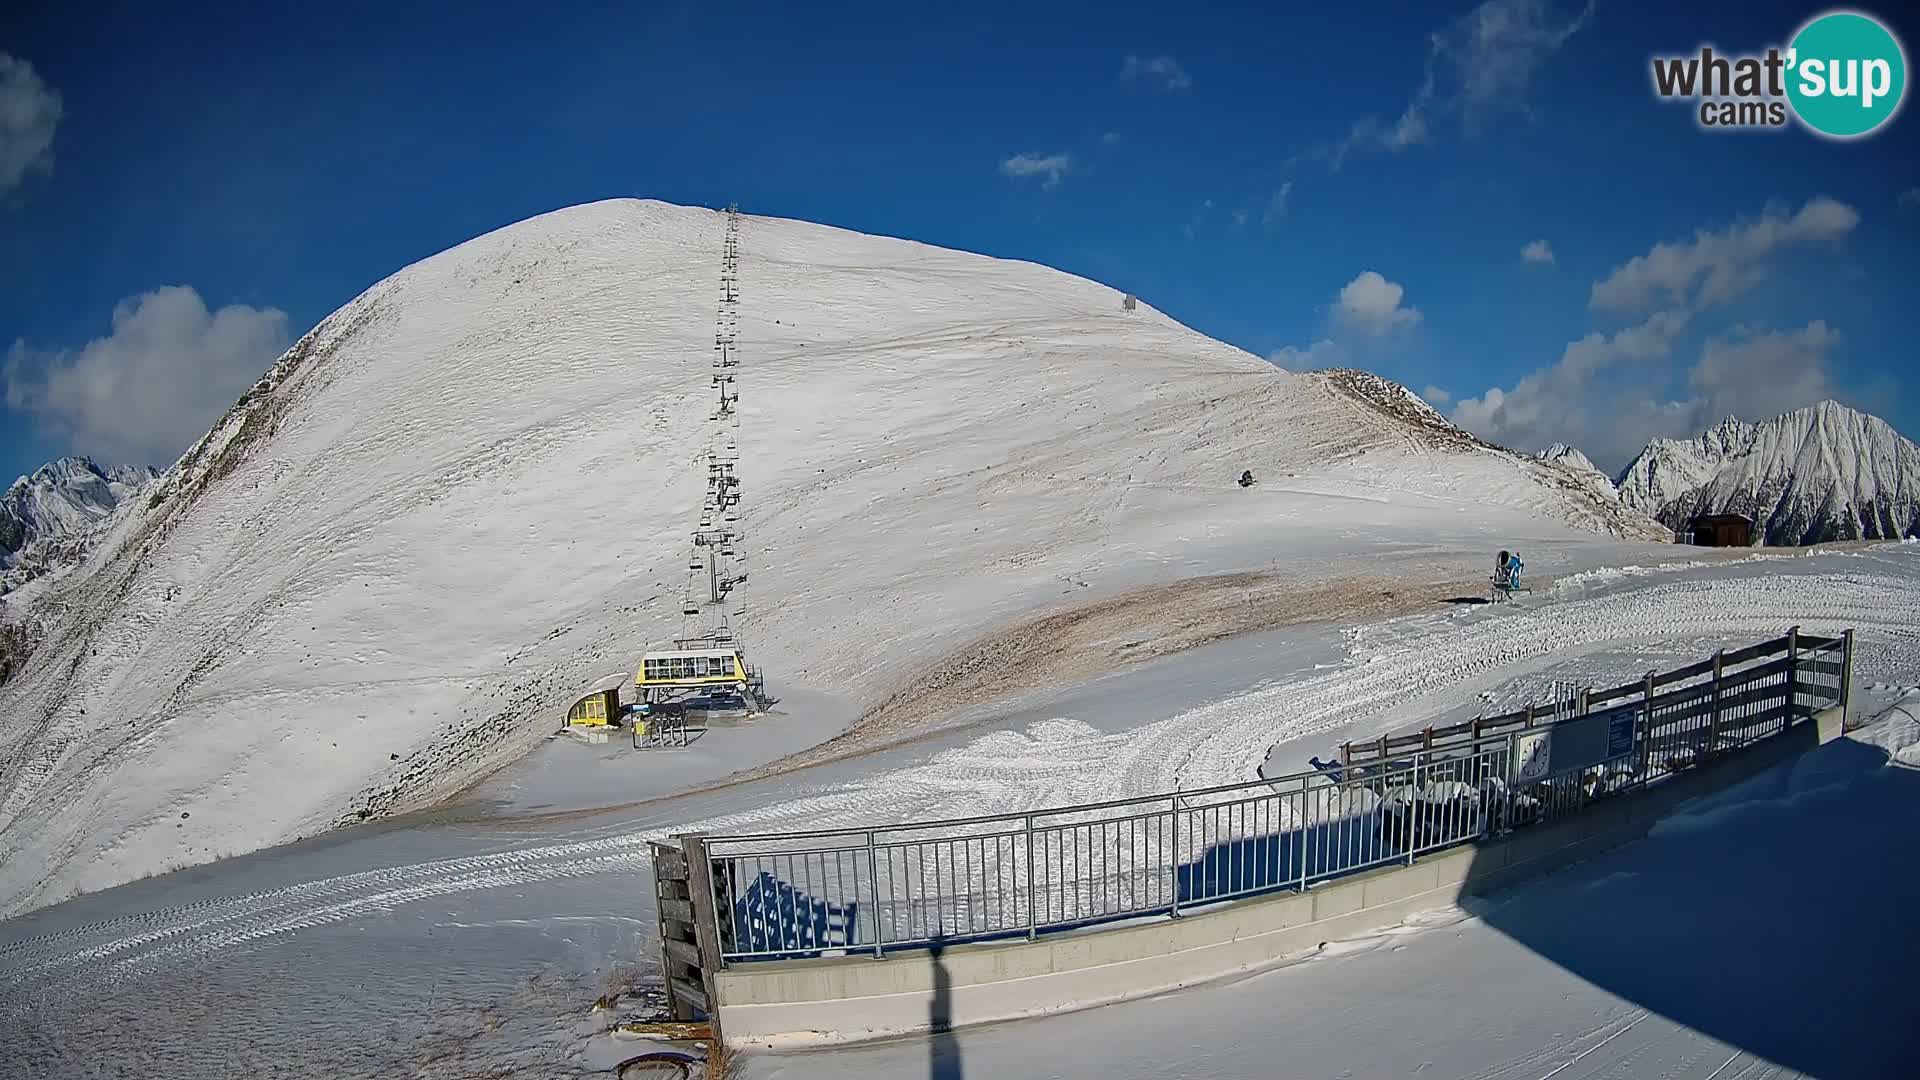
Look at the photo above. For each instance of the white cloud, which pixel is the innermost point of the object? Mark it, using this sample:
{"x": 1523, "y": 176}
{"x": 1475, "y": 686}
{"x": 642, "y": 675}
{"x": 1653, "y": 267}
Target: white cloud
{"x": 1481, "y": 63}
{"x": 1537, "y": 253}
{"x": 1164, "y": 70}
{"x": 1719, "y": 264}
{"x": 1277, "y": 205}
{"x": 1908, "y": 199}
{"x": 1436, "y": 397}
{"x": 1320, "y": 354}
{"x": 1240, "y": 219}
{"x": 1552, "y": 404}
{"x": 1050, "y": 168}
{"x": 1372, "y": 303}
{"x": 145, "y": 392}
{"x": 1757, "y": 375}
{"x": 29, "y": 113}
{"x": 1741, "y": 372}
{"x": 1110, "y": 138}
{"x": 1745, "y": 373}
{"x": 1364, "y": 314}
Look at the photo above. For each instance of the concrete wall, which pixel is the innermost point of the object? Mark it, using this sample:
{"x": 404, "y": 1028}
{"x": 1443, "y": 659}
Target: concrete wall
{"x": 843, "y": 999}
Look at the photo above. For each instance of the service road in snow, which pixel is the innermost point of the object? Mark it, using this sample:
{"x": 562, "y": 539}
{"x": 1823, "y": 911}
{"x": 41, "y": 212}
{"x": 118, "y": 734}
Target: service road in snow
{"x": 440, "y": 949}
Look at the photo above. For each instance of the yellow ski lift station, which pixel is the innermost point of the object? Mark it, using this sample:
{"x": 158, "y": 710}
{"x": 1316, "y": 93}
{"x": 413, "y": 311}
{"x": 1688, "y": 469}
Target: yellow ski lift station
{"x": 690, "y": 669}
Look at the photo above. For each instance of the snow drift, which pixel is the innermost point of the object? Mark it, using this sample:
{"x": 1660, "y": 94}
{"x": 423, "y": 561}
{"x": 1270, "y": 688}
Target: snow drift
{"x": 466, "y": 493}
{"x": 1825, "y": 472}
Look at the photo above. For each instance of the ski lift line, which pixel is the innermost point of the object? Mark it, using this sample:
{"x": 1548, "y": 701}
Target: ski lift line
{"x": 722, "y": 482}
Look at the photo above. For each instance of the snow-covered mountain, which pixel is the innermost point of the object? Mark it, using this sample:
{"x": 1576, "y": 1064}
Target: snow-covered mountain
{"x": 467, "y": 493}
{"x": 1572, "y": 458}
{"x": 46, "y": 519}
{"x": 1825, "y": 472}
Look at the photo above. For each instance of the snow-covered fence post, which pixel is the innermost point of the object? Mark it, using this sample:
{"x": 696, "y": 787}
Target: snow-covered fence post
{"x": 873, "y": 874}
{"x": 1846, "y": 677}
{"x": 1793, "y": 676}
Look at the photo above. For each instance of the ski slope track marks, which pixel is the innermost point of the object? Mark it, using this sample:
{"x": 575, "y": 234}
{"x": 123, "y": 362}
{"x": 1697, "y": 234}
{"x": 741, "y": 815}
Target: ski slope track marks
{"x": 383, "y": 574}
{"x": 1395, "y": 673}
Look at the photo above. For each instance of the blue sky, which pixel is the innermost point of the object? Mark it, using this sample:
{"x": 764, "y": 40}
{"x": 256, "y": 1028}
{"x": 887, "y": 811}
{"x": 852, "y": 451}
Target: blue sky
{"x": 183, "y": 190}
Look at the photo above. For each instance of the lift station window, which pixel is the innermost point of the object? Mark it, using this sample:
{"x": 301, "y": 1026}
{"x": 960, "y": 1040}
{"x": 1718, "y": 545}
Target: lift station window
{"x": 708, "y": 666}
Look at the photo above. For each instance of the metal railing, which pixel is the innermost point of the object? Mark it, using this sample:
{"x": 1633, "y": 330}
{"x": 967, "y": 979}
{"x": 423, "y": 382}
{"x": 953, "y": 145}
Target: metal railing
{"x": 827, "y": 892}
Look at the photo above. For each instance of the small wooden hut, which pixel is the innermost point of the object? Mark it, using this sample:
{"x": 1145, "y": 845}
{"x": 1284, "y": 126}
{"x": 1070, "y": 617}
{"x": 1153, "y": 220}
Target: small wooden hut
{"x": 1723, "y": 530}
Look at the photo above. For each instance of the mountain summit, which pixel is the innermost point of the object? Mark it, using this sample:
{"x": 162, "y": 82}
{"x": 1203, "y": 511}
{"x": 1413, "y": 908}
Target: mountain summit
{"x": 45, "y": 517}
{"x": 1571, "y": 457}
{"x": 1825, "y": 472}
{"x": 466, "y": 495}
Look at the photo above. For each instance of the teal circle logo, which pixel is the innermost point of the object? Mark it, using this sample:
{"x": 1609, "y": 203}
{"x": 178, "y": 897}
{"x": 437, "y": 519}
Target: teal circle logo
{"x": 1847, "y": 74}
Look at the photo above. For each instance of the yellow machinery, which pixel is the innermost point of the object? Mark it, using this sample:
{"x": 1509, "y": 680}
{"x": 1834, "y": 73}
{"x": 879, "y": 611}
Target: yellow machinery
{"x": 600, "y": 706}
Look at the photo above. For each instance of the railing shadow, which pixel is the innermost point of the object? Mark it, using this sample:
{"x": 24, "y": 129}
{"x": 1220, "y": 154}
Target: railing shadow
{"x": 1772, "y": 916}
{"x": 1251, "y": 865}
{"x": 1368, "y": 831}
{"x": 1769, "y": 915}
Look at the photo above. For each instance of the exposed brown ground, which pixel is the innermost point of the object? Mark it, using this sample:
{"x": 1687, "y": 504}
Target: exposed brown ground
{"x": 1071, "y": 644}
{"x": 1065, "y": 646}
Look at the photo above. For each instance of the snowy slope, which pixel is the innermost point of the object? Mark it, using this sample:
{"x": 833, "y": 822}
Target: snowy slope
{"x": 530, "y": 916}
{"x": 1825, "y": 472}
{"x": 44, "y": 516}
{"x": 466, "y": 493}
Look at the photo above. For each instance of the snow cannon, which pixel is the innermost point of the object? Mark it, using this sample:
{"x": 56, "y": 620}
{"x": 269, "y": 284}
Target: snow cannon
{"x": 1506, "y": 577}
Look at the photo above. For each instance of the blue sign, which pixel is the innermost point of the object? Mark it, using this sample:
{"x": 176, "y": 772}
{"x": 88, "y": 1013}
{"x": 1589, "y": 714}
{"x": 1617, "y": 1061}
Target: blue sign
{"x": 1620, "y": 733}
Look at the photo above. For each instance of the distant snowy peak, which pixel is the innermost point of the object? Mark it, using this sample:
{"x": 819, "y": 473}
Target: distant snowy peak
{"x": 60, "y": 502}
{"x": 1825, "y": 472}
{"x": 1571, "y": 457}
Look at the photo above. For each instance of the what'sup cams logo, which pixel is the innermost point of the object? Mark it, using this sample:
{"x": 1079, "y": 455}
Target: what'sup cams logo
{"x": 1842, "y": 76}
